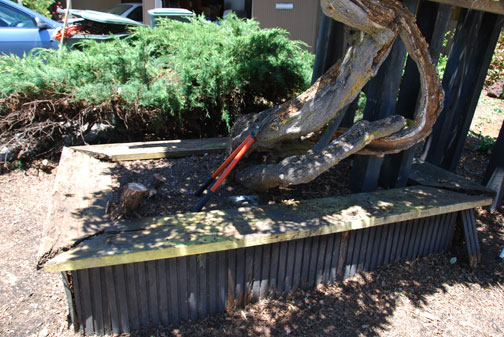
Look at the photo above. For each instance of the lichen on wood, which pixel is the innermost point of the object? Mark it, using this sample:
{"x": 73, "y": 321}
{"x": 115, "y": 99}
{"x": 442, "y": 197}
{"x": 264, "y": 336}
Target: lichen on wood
{"x": 379, "y": 23}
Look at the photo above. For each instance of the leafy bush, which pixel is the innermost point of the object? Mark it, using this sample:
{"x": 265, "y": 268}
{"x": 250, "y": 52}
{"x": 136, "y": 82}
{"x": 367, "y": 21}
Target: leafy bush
{"x": 496, "y": 68}
{"x": 176, "y": 80}
{"x": 41, "y": 6}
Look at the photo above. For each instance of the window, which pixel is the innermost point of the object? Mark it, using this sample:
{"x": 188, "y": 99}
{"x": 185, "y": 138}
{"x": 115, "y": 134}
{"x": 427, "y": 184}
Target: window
{"x": 11, "y": 17}
{"x": 136, "y": 14}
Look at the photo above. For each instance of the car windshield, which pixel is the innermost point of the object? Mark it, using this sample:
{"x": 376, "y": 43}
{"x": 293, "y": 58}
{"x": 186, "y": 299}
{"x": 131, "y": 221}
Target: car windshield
{"x": 10, "y": 17}
{"x": 118, "y": 10}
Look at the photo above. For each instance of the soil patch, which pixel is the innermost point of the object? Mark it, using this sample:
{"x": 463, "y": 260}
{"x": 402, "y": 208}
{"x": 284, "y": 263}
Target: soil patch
{"x": 185, "y": 175}
{"x": 425, "y": 297}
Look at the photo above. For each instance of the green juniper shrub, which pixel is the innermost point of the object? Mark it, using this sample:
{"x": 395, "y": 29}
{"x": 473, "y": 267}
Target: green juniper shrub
{"x": 172, "y": 81}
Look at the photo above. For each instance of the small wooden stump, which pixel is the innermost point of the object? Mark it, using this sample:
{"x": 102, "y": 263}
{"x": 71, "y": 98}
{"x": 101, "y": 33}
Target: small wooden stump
{"x": 132, "y": 196}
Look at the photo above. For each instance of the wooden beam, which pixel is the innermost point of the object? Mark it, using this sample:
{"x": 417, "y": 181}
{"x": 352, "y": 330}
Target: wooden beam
{"x": 494, "y": 172}
{"x": 426, "y": 174}
{"x": 155, "y": 150}
{"x": 78, "y": 202}
{"x": 475, "y": 41}
{"x": 492, "y": 6}
{"x": 381, "y": 101}
{"x": 196, "y": 233}
{"x": 432, "y": 19}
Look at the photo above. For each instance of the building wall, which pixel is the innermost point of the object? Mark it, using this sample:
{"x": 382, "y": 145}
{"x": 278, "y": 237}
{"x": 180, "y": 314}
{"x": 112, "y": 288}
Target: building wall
{"x": 147, "y": 4}
{"x": 97, "y": 5}
{"x": 302, "y": 21}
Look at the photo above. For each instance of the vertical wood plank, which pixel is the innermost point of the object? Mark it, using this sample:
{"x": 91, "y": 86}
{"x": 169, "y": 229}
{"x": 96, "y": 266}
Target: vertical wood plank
{"x": 335, "y": 258}
{"x": 451, "y": 229}
{"x": 383, "y": 245}
{"x": 313, "y": 261}
{"x": 153, "y": 292}
{"x": 411, "y": 236}
{"x": 319, "y": 275}
{"x": 449, "y": 224}
{"x": 258, "y": 264}
{"x": 193, "y": 287}
{"x": 87, "y": 306}
{"x": 432, "y": 19}
{"x": 113, "y": 303}
{"x": 410, "y": 228}
{"x": 291, "y": 260}
{"x": 66, "y": 278}
{"x": 275, "y": 255}
{"x": 107, "y": 323}
{"x": 162, "y": 276}
{"x": 249, "y": 273}
{"x": 424, "y": 243}
{"x": 121, "y": 294}
{"x": 212, "y": 283}
{"x": 475, "y": 39}
{"x": 305, "y": 268}
{"x": 349, "y": 255}
{"x": 328, "y": 258}
{"x": 221, "y": 280}
{"x": 282, "y": 264}
{"x": 263, "y": 292}
{"x": 369, "y": 248}
{"x": 390, "y": 241}
{"x": 494, "y": 172}
{"x": 376, "y": 248}
{"x": 131, "y": 289}
{"x": 183, "y": 279}
{"x": 98, "y": 313}
{"x": 418, "y": 237}
{"x": 231, "y": 274}
{"x": 356, "y": 251}
{"x": 173, "y": 310}
{"x": 471, "y": 237}
{"x": 80, "y": 321}
{"x": 344, "y": 242}
{"x": 140, "y": 269}
{"x": 240, "y": 277}
{"x": 439, "y": 233}
{"x": 363, "y": 249}
{"x": 395, "y": 241}
{"x": 381, "y": 101}
{"x": 402, "y": 239}
{"x": 202, "y": 295}
{"x": 298, "y": 264}
{"x": 435, "y": 229}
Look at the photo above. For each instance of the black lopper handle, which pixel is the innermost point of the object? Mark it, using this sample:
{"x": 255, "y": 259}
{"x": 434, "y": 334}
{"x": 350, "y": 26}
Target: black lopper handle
{"x": 204, "y": 186}
{"x": 202, "y": 202}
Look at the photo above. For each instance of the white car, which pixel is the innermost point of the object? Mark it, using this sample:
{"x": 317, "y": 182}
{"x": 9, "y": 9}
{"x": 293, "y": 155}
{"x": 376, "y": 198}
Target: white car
{"x": 131, "y": 11}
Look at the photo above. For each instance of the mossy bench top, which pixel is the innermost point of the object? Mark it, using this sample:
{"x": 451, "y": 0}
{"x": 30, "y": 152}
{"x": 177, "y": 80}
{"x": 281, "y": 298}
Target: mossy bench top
{"x": 76, "y": 221}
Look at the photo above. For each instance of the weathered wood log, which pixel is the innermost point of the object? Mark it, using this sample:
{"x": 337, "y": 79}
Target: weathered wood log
{"x": 132, "y": 196}
{"x": 305, "y": 168}
{"x": 380, "y": 22}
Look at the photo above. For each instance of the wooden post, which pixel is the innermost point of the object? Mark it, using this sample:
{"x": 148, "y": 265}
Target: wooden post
{"x": 432, "y": 19}
{"x": 381, "y": 101}
{"x": 330, "y": 45}
{"x": 475, "y": 41}
{"x": 494, "y": 173}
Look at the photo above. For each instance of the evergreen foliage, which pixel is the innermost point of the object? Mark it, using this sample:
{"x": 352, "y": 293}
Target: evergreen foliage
{"x": 175, "y": 80}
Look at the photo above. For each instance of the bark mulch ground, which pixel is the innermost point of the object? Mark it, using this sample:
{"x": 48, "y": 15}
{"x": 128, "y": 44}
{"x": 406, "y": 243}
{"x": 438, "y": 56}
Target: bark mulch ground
{"x": 435, "y": 295}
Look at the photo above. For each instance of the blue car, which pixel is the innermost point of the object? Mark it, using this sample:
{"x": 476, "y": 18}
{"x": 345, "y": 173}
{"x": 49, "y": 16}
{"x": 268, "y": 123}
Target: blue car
{"x": 22, "y": 29}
